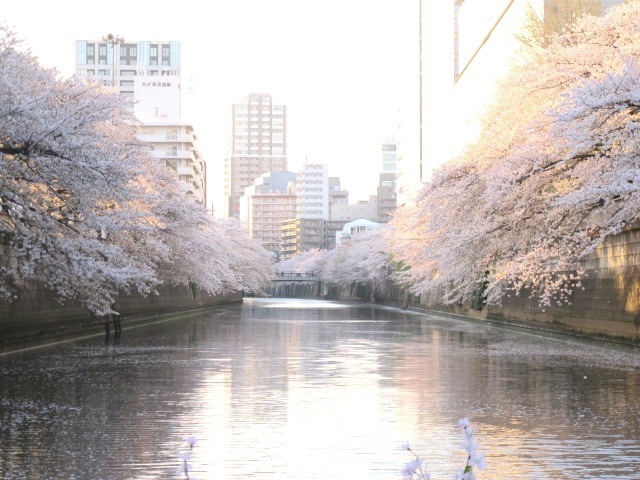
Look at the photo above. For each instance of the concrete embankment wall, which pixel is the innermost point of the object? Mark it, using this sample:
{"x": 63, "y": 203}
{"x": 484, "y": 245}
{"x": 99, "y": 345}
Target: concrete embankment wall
{"x": 606, "y": 307}
{"x": 36, "y": 314}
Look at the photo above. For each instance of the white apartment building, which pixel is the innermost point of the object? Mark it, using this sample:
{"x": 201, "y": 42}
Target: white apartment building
{"x": 258, "y": 144}
{"x": 148, "y": 73}
{"x": 116, "y": 61}
{"x": 312, "y": 186}
{"x": 172, "y": 143}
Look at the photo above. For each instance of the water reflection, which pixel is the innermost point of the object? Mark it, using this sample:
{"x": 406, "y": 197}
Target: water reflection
{"x": 317, "y": 390}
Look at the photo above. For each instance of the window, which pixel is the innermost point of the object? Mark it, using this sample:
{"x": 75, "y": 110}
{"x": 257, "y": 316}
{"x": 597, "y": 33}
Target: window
{"x": 128, "y": 54}
{"x": 172, "y": 151}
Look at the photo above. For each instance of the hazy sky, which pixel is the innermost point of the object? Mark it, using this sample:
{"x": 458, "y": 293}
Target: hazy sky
{"x": 343, "y": 67}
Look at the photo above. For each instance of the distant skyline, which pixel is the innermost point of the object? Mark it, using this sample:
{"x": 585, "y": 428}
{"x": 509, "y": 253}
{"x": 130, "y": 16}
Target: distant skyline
{"x": 344, "y": 69}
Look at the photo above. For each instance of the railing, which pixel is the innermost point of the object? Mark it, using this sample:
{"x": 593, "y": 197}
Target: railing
{"x": 296, "y": 276}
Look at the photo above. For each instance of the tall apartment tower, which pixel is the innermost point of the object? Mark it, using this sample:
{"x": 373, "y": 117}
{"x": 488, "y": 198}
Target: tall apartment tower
{"x": 147, "y": 73}
{"x": 258, "y": 145}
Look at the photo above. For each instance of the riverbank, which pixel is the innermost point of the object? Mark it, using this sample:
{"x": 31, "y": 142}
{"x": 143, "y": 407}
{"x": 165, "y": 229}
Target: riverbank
{"x": 36, "y": 317}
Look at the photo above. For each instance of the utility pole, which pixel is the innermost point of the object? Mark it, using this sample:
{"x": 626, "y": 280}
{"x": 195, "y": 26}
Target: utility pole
{"x": 420, "y": 85}
{"x": 113, "y": 40}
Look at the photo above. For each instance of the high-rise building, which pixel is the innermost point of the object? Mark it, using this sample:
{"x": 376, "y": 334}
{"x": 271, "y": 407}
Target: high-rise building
{"x": 258, "y": 144}
{"x": 148, "y": 74}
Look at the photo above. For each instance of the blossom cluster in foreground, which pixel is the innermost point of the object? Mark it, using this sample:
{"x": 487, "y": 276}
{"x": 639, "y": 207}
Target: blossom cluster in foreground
{"x": 416, "y": 468}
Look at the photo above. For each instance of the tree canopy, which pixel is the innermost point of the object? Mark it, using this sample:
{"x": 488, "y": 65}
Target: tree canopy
{"x": 554, "y": 172}
{"x": 86, "y": 210}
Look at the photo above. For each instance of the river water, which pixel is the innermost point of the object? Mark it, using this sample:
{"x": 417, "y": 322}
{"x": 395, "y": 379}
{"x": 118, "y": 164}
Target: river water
{"x": 303, "y": 389}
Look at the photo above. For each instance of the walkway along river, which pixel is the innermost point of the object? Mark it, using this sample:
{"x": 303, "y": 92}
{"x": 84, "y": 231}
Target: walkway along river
{"x": 291, "y": 389}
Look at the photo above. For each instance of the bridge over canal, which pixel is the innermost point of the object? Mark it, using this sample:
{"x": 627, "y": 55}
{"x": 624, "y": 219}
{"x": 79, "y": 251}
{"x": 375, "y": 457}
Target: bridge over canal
{"x": 296, "y": 284}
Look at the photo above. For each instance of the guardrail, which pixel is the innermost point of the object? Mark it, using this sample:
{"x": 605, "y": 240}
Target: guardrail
{"x": 297, "y": 276}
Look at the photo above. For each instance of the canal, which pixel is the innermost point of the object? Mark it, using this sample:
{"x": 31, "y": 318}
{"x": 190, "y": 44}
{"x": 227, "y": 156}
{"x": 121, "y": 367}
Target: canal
{"x": 291, "y": 389}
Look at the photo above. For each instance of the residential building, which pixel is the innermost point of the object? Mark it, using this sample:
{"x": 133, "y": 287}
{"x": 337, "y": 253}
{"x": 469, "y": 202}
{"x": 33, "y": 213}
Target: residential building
{"x": 266, "y": 205}
{"x": 116, "y": 63}
{"x": 302, "y": 234}
{"x": 258, "y": 144}
{"x": 148, "y": 74}
{"x": 312, "y": 185}
{"x": 173, "y": 144}
{"x": 318, "y": 193}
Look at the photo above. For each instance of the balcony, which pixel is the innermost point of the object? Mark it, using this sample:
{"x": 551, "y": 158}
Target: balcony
{"x": 188, "y": 154}
{"x": 165, "y": 138}
{"x": 185, "y": 170}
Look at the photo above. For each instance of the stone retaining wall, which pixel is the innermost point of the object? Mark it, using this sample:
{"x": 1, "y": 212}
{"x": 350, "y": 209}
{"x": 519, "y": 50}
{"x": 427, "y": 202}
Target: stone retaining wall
{"x": 607, "y": 307}
{"x": 37, "y": 315}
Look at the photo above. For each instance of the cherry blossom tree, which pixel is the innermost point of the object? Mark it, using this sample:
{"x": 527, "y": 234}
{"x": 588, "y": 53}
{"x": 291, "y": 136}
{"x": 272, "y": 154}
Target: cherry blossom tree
{"x": 310, "y": 261}
{"x": 364, "y": 259}
{"x": 85, "y": 210}
{"x": 554, "y": 173}
{"x": 361, "y": 259}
